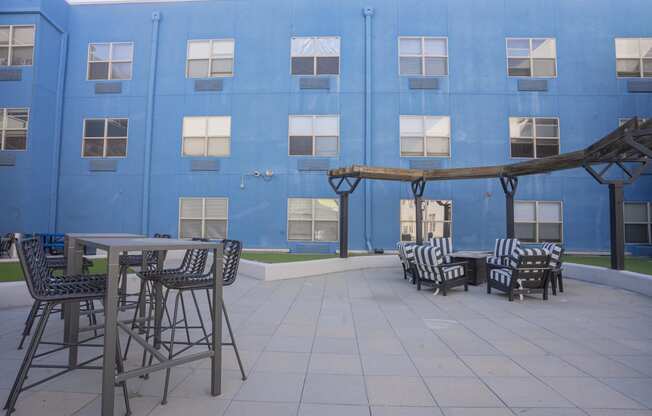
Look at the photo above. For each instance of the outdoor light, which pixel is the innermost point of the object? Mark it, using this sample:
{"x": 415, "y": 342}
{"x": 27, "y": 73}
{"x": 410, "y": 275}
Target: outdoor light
{"x": 267, "y": 176}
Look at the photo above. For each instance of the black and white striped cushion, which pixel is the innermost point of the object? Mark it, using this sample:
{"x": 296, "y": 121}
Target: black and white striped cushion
{"x": 504, "y": 276}
{"x": 427, "y": 260}
{"x": 508, "y": 250}
{"x": 555, "y": 254}
{"x": 494, "y": 260}
{"x": 453, "y": 272}
{"x": 446, "y": 246}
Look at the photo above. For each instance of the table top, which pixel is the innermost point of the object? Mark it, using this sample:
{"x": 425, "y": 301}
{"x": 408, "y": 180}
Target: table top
{"x": 470, "y": 254}
{"x": 145, "y": 243}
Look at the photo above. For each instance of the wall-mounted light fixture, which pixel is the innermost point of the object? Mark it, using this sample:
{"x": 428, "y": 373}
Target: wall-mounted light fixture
{"x": 266, "y": 176}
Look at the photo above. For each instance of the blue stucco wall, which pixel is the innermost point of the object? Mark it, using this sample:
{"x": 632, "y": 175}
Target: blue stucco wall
{"x": 478, "y": 95}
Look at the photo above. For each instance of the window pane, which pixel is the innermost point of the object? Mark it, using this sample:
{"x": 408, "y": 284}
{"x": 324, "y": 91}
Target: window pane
{"x": 437, "y": 146}
{"x": 525, "y": 232}
{"x": 407, "y": 210}
{"x": 217, "y": 208}
{"x": 636, "y": 233}
{"x": 410, "y": 66}
{"x": 524, "y": 212}
{"x": 193, "y": 147}
{"x": 198, "y": 68}
{"x": 4, "y": 35}
{"x": 515, "y": 47}
{"x": 647, "y": 67}
{"x": 522, "y": 148}
{"x": 199, "y": 50}
{"x": 544, "y": 68}
{"x": 303, "y": 66}
{"x": 190, "y": 229}
{"x": 301, "y": 145}
{"x": 549, "y": 212}
{"x": 117, "y": 127}
{"x": 122, "y": 51}
{"x": 191, "y": 208}
{"x": 94, "y": 128}
{"x": 4, "y": 56}
{"x": 215, "y": 229}
{"x": 326, "y": 209}
{"x": 435, "y": 47}
{"x": 635, "y": 212}
{"x": 98, "y": 70}
{"x": 411, "y": 126}
{"x": 544, "y": 48}
{"x": 328, "y": 65}
{"x": 15, "y": 140}
{"x": 646, "y": 47}
{"x": 116, "y": 148}
{"x": 437, "y": 126}
{"x": 121, "y": 70}
{"x": 412, "y": 146}
{"x": 518, "y": 67}
{"x": 194, "y": 126}
{"x": 436, "y": 66}
{"x": 93, "y": 147}
{"x": 410, "y": 46}
{"x": 300, "y": 230}
{"x": 550, "y": 232}
{"x": 223, "y": 47}
{"x": 23, "y": 35}
{"x": 219, "y": 146}
{"x": 222, "y": 67}
{"x": 22, "y": 55}
{"x": 326, "y": 126}
{"x": 300, "y": 209}
{"x": 219, "y": 126}
{"x": 302, "y": 47}
{"x": 520, "y": 127}
{"x": 301, "y": 126}
{"x": 99, "y": 52}
{"x": 628, "y": 67}
{"x": 627, "y": 48}
{"x": 547, "y": 147}
{"x": 326, "y": 230}
{"x": 327, "y": 46}
{"x": 326, "y": 146}
{"x": 547, "y": 127}
{"x": 16, "y": 118}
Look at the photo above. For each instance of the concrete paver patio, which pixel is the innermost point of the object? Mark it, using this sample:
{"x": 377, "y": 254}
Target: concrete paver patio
{"x": 367, "y": 343}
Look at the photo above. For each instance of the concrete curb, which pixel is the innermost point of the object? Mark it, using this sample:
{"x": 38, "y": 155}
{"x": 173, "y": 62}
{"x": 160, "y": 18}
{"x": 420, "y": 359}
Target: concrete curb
{"x": 634, "y": 282}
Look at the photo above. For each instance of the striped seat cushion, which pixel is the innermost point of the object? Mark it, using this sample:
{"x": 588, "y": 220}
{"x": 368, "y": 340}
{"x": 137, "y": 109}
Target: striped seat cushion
{"x": 446, "y": 246}
{"x": 494, "y": 260}
{"x": 453, "y": 272}
{"x": 503, "y": 276}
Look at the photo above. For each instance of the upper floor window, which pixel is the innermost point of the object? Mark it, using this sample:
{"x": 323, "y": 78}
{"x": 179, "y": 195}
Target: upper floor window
{"x": 207, "y": 136}
{"x": 532, "y": 57}
{"x": 110, "y": 61}
{"x": 534, "y": 137}
{"x": 210, "y": 58}
{"x": 13, "y": 128}
{"x": 315, "y": 55}
{"x": 634, "y": 57}
{"x": 425, "y": 136}
{"x": 638, "y": 222}
{"x": 203, "y": 217}
{"x": 17, "y": 45}
{"x": 105, "y": 137}
{"x": 437, "y": 219}
{"x": 538, "y": 221}
{"x": 313, "y": 219}
{"x": 314, "y": 135}
{"x": 427, "y": 56}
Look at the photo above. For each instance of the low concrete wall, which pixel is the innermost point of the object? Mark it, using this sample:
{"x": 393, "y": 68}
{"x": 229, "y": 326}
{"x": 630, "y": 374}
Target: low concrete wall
{"x": 635, "y": 282}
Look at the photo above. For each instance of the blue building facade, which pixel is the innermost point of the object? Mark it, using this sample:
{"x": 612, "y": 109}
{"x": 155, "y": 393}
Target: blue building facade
{"x": 442, "y": 63}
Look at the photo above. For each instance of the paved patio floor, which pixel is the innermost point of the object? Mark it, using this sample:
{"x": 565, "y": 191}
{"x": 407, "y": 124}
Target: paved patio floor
{"x": 367, "y": 343}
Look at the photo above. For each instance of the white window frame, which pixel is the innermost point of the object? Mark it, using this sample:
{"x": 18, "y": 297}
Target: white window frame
{"x": 206, "y": 137}
{"x": 648, "y": 223}
{"x": 423, "y": 55}
{"x": 530, "y": 57}
{"x": 3, "y": 128}
{"x": 11, "y": 45}
{"x": 640, "y": 57}
{"x": 110, "y": 61}
{"x": 623, "y": 120}
{"x": 425, "y": 137}
{"x": 105, "y": 138}
{"x": 536, "y": 218}
{"x": 314, "y": 137}
{"x": 312, "y": 220}
{"x": 534, "y": 137}
{"x": 203, "y": 218}
{"x": 424, "y": 221}
{"x": 314, "y": 57}
{"x": 210, "y": 58}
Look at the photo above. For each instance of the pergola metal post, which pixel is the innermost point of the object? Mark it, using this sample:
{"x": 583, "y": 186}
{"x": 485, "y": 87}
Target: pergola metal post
{"x": 509, "y": 185}
{"x": 616, "y": 208}
{"x": 343, "y": 187}
{"x": 418, "y": 187}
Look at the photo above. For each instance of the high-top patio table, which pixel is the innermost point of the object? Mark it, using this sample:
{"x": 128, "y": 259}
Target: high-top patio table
{"x": 114, "y": 247}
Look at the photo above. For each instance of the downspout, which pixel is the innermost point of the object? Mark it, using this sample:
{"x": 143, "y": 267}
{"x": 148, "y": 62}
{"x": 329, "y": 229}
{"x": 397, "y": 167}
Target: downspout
{"x": 368, "y": 13}
{"x": 58, "y": 134}
{"x": 147, "y": 165}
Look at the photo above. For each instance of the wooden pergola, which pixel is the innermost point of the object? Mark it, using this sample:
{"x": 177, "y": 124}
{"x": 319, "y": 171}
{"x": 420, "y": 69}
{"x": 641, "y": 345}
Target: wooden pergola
{"x": 626, "y": 150}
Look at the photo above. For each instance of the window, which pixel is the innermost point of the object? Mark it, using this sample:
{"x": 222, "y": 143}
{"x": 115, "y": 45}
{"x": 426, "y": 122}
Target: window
{"x": 634, "y": 57}
{"x": 437, "y": 219}
{"x": 534, "y": 137}
{"x": 105, "y": 137}
{"x": 313, "y": 219}
{"x": 315, "y": 56}
{"x": 641, "y": 120}
{"x": 207, "y": 136}
{"x": 638, "y": 222}
{"x": 538, "y": 221}
{"x": 13, "y": 128}
{"x": 17, "y": 45}
{"x": 532, "y": 57}
{"x": 203, "y": 217}
{"x": 210, "y": 58}
{"x": 425, "y": 136}
{"x": 110, "y": 61}
{"x": 423, "y": 56}
{"x": 314, "y": 135}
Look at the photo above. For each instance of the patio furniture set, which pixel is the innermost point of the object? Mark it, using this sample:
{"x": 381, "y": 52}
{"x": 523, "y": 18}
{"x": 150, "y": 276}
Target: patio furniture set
{"x": 63, "y": 283}
{"x": 510, "y": 268}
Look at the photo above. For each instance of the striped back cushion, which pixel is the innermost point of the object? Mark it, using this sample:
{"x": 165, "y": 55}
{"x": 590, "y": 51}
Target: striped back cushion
{"x": 427, "y": 259}
{"x": 446, "y": 246}
{"x": 555, "y": 254}
{"x": 508, "y": 249}
{"x": 405, "y": 252}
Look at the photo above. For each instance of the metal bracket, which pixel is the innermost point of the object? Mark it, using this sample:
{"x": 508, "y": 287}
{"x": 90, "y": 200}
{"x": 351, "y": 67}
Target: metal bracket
{"x": 343, "y": 185}
{"x": 509, "y": 184}
{"x": 418, "y": 187}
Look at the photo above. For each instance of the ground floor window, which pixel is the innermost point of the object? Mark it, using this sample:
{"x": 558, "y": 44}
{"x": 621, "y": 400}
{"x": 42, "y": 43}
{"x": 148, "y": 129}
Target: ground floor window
{"x": 538, "y": 221}
{"x": 203, "y": 217}
{"x": 437, "y": 219}
{"x": 638, "y": 222}
{"x": 313, "y": 219}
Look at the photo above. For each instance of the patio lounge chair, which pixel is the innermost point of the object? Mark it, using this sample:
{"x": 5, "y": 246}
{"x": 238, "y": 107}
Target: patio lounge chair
{"x": 528, "y": 274}
{"x": 430, "y": 269}
{"x": 446, "y": 246}
{"x": 406, "y": 255}
{"x": 5, "y": 244}
{"x": 506, "y": 252}
{"x": 556, "y": 251}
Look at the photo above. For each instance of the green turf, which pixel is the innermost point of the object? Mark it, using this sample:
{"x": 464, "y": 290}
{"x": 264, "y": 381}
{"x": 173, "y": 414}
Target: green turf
{"x": 278, "y": 257}
{"x": 633, "y": 264}
{"x": 11, "y": 271}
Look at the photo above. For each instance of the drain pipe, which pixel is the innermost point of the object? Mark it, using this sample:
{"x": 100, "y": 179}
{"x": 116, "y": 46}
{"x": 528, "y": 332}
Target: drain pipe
{"x": 58, "y": 134}
{"x": 156, "y": 18}
{"x": 368, "y": 13}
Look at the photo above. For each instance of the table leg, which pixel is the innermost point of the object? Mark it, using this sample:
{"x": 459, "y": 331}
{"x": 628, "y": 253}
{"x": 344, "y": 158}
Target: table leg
{"x": 159, "y": 307}
{"x": 74, "y": 259}
{"x": 216, "y": 360}
{"x": 110, "y": 332}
